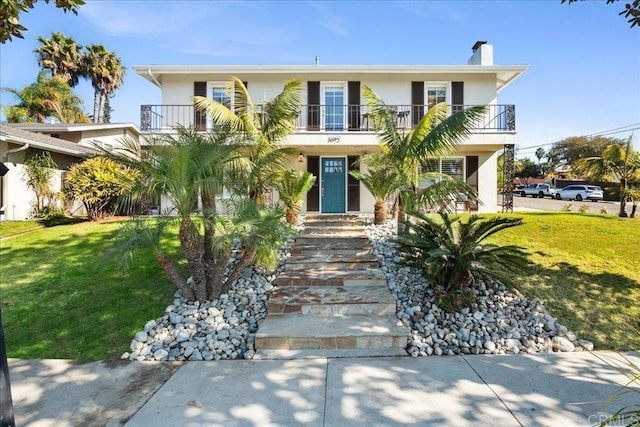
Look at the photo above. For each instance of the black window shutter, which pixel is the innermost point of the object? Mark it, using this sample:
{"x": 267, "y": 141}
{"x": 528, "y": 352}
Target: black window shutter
{"x": 353, "y": 112}
{"x": 313, "y": 105}
{"x": 472, "y": 175}
{"x": 353, "y": 185}
{"x": 313, "y": 196}
{"x": 200, "y": 118}
{"x": 457, "y": 96}
{"x": 417, "y": 102}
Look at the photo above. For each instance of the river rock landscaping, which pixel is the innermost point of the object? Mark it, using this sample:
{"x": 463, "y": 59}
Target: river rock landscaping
{"x": 499, "y": 322}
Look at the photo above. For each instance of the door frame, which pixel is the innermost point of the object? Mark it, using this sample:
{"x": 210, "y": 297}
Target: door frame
{"x": 344, "y": 180}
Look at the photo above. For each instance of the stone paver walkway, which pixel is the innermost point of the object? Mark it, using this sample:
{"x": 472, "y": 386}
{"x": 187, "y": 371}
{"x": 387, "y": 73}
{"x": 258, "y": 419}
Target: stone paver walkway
{"x": 332, "y": 296}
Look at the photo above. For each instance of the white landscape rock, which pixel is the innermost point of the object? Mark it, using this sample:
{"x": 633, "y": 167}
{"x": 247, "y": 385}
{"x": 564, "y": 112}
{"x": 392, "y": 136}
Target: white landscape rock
{"x": 498, "y": 322}
{"x": 221, "y": 329}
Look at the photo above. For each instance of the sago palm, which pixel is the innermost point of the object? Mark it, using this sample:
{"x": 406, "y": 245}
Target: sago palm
{"x": 292, "y": 186}
{"x": 452, "y": 254}
{"x": 434, "y": 136}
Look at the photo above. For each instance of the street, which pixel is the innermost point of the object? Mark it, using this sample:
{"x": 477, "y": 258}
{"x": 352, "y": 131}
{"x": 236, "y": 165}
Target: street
{"x": 547, "y": 204}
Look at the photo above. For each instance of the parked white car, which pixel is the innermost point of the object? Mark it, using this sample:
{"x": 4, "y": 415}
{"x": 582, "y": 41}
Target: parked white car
{"x": 538, "y": 190}
{"x": 580, "y": 193}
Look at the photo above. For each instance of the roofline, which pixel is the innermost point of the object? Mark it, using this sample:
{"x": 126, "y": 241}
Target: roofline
{"x": 153, "y": 73}
{"x": 323, "y": 69}
{"x": 65, "y": 127}
{"x": 16, "y": 139}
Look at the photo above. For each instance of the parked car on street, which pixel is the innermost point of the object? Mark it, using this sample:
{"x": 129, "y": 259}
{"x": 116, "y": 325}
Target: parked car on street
{"x": 538, "y": 190}
{"x": 580, "y": 193}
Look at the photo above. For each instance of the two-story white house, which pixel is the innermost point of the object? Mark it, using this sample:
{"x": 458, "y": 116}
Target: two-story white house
{"x": 334, "y": 129}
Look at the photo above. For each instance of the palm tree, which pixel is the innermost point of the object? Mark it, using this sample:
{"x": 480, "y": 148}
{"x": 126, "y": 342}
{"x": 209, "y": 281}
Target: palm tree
{"x": 189, "y": 166}
{"x": 263, "y": 127}
{"x": 433, "y": 137}
{"x": 539, "y": 155}
{"x": 292, "y": 186}
{"x": 105, "y": 70}
{"x": 617, "y": 163}
{"x": 61, "y": 55}
{"x": 381, "y": 181}
{"x": 46, "y": 98}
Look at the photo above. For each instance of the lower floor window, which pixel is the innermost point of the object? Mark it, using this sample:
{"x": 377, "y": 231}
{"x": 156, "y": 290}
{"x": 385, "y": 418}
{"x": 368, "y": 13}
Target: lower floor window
{"x": 454, "y": 167}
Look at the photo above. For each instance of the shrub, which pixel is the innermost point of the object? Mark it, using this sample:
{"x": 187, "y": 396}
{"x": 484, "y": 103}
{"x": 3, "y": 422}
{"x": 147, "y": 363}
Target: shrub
{"x": 98, "y": 182}
{"x": 453, "y": 254}
{"x": 583, "y": 209}
{"x": 49, "y": 212}
{"x": 604, "y": 211}
{"x": 567, "y": 207}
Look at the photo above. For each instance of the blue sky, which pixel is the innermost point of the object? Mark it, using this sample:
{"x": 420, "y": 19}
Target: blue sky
{"x": 585, "y": 60}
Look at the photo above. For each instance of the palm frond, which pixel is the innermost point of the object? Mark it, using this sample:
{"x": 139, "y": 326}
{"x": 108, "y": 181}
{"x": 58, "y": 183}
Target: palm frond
{"x": 448, "y": 133}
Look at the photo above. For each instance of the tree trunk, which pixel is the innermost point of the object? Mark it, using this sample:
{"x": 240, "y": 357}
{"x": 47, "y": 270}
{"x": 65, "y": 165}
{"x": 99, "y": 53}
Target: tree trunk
{"x": 380, "y": 212}
{"x": 623, "y": 198}
{"x": 245, "y": 261}
{"x": 634, "y": 207}
{"x": 175, "y": 276}
{"x": 401, "y": 214}
{"x": 96, "y": 106}
{"x": 192, "y": 248}
{"x": 292, "y": 217}
{"x": 208, "y": 212}
{"x": 103, "y": 97}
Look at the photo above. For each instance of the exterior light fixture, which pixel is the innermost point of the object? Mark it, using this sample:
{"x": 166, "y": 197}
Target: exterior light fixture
{"x": 300, "y": 158}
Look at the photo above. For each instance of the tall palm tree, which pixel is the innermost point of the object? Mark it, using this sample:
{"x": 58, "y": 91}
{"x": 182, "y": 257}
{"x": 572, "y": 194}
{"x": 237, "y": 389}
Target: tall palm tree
{"x": 61, "y": 55}
{"x": 263, "y": 127}
{"x": 435, "y": 136}
{"x": 617, "y": 163}
{"x": 106, "y": 72}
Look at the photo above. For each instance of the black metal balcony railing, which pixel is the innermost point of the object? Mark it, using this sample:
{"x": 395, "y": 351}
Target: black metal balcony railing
{"x": 327, "y": 118}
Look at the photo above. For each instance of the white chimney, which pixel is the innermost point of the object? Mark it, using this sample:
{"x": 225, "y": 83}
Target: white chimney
{"x": 482, "y": 54}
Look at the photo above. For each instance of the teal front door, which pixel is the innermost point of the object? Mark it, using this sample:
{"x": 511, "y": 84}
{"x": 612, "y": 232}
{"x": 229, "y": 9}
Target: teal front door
{"x": 333, "y": 184}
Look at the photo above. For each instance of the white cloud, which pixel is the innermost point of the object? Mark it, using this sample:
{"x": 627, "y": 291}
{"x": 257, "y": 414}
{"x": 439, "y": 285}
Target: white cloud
{"x": 147, "y": 18}
{"x": 335, "y": 23}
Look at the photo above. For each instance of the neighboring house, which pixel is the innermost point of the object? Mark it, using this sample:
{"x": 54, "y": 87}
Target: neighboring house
{"x": 16, "y": 199}
{"x": 334, "y": 128}
{"x": 104, "y": 135}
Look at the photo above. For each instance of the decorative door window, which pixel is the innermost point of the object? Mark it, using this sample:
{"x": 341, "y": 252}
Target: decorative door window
{"x": 333, "y": 166}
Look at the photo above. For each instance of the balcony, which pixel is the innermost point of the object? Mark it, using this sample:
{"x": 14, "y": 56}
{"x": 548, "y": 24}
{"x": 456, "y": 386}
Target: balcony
{"x": 327, "y": 118}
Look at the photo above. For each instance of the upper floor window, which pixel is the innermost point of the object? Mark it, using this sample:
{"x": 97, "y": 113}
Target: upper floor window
{"x": 437, "y": 92}
{"x": 218, "y": 92}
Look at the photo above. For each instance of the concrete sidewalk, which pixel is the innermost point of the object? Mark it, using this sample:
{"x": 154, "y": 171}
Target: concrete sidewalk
{"x": 561, "y": 389}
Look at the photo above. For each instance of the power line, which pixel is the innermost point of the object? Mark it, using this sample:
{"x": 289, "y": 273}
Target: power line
{"x": 621, "y": 129}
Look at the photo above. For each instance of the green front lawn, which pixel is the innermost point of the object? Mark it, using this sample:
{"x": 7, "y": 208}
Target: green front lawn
{"x": 586, "y": 270}
{"x": 57, "y": 301}
{"x": 11, "y": 228}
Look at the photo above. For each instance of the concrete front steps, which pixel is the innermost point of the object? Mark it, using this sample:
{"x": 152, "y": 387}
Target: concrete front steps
{"x": 332, "y": 299}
